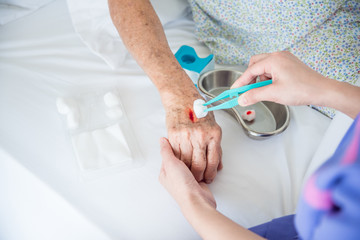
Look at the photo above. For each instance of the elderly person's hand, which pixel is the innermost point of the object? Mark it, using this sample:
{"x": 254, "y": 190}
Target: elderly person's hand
{"x": 195, "y": 141}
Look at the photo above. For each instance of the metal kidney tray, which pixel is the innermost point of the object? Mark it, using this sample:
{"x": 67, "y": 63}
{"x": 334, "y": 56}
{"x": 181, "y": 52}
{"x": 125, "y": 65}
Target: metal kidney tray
{"x": 271, "y": 118}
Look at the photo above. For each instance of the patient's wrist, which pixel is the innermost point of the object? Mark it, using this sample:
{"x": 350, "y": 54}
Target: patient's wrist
{"x": 179, "y": 96}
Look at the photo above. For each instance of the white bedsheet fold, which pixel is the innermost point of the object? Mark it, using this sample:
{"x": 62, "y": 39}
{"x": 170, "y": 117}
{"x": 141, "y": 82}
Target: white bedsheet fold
{"x": 92, "y": 22}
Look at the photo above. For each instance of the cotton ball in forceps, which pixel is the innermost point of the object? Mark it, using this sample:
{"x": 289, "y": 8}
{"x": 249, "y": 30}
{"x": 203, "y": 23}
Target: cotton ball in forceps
{"x": 111, "y": 99}
{"x": 114, "y": 113}
{"x": 199, "y": 108}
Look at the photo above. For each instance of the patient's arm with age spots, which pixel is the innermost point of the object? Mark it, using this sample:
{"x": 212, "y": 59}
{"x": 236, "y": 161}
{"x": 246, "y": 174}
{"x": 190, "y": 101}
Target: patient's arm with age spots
{"x": 197, "y": 143}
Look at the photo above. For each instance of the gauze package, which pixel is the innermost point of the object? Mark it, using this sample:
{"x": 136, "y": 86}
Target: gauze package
{"x": 100, "y": 133}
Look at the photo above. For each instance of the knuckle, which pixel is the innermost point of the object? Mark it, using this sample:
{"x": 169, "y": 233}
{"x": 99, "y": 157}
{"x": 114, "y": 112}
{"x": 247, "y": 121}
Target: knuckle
{"x": 185, "y": 134}
{"x": 218, "y": 132}
{"x": 173, "y": 136}
{"x": 198, "y": 166}
{"x": 200, "y": 133}
{"x": 213, "y": 164}
{"x": 252, "y": 59}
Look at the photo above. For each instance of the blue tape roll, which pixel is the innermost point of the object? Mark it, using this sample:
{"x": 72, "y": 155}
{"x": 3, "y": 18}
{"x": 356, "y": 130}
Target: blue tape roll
{"x": 192, "y": 63}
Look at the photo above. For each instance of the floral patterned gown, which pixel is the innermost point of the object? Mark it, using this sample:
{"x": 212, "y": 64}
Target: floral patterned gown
{"x": 324, "y": 34}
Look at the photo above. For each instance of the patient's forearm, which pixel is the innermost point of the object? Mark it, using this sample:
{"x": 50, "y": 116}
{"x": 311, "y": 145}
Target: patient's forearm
{"x": 143, "y": 35}
{"x": 211, "y": 224}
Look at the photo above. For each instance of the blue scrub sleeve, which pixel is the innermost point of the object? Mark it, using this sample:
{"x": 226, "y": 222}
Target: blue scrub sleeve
{"x": 329, "y": 207}
{"x": 330, "y": 204}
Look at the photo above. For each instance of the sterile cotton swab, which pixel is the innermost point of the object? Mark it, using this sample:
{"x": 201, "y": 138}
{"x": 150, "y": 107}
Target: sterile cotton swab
{"x": 199, "y": 108}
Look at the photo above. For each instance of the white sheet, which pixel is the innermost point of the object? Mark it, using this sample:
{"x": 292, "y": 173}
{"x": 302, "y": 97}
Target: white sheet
{"x": 30, "y": 209}
{"x": 10, "y": 10}
{"x": 92, "y": 21}
{"x": 41, "y": 58}
{"x": 332, "y": 137}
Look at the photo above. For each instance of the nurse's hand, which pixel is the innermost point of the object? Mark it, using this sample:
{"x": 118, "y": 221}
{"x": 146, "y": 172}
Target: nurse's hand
{"x": 196, "y": 201}
{"x": 294, "y": 83}
{"x": 176, "y": 177}
{"x": 195, "y": 141}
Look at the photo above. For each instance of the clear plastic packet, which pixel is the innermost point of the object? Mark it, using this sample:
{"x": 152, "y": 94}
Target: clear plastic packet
{"x": 100, "y": 133}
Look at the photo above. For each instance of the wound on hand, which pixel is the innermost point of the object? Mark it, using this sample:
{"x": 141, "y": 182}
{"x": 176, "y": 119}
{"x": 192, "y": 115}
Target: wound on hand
{"x": 192, "y": 116}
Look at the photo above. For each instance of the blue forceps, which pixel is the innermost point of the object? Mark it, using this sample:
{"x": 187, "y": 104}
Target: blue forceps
{"x": 233, "y": 93}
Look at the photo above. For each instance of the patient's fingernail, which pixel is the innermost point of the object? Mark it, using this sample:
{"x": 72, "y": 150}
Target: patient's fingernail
{"x": 208, "y": 181}
{"x": 242, "y": 101}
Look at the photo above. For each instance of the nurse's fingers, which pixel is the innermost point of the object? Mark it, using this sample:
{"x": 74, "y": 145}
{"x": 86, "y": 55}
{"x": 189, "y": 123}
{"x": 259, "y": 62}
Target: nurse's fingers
{"x": 264, "y": 77}
{"x": 214, "y": 154}
{"x": 255, "y": 95}
{"x": 176, "y": 148}
{"x": 198, "y": 164}
{"x": 166, "y": 149}
{"x": 241, "y": 81}
{"x": 258, "y": 69}
{"x": 256, "y": 58}
{"x": 167, "y": 154}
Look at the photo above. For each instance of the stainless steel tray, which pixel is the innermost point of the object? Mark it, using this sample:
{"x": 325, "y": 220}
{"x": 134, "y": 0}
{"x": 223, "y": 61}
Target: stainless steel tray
{"x": 271, "y": 118}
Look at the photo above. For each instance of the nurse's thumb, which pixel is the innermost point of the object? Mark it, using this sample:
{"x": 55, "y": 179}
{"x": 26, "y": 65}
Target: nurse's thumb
{"x": 165, "y": 149}
{"x": 255, "y": 95}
